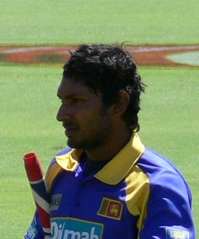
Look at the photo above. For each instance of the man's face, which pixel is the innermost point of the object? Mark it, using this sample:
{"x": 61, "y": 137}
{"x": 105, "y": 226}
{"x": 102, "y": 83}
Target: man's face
{"x": 86, "y": 121}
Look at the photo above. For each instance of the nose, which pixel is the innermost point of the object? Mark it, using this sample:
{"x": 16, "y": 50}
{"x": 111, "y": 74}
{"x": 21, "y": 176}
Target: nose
{"x": 59, "y": 114}
{"x": 64, "y": 113}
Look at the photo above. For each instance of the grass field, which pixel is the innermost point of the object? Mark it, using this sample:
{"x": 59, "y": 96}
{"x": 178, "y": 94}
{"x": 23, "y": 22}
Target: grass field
{"x": 146, "y": 21}
{"x": 169, "y": 117}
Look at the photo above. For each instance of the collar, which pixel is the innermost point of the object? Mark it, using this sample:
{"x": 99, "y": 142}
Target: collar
{"x": 116, "y": 169}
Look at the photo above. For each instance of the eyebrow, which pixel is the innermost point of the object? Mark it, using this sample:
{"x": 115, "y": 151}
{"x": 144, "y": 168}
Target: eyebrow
{"x": 70, "y": 96}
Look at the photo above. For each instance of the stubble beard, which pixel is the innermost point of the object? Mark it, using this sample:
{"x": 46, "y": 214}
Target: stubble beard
{"x": 92, "y": 142}
{"x": 97, "y": 139}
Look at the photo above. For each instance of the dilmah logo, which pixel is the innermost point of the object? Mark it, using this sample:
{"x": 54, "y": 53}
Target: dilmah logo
{"x": 71, "y": 228}
{"x": 55, "y": 201}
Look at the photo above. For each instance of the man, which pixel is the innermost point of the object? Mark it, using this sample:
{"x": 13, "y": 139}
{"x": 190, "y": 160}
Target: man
{"x": 106, "y": 184}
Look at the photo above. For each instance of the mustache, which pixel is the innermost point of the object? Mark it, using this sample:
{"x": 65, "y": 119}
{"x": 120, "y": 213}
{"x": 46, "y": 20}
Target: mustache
{"x": 69, "y": 125}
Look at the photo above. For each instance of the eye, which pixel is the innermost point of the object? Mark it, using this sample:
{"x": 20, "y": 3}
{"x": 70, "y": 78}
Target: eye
{"x": 74, "y": 101}
{"x": 71, "y": 101}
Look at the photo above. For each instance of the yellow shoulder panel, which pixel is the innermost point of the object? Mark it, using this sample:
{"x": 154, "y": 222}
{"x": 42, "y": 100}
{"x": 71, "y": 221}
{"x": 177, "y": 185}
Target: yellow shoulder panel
{"x": 137, "y": 194}
{"x": 51, "y": 174}
{"x": 68, "y": 161}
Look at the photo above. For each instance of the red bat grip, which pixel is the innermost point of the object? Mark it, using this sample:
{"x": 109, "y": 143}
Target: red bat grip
{"x": 33, "y": 167}
{"x": 35, "y": 176}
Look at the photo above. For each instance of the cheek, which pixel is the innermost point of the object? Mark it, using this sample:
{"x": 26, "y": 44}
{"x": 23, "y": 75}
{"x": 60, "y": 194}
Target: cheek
{"x": 97, "y": 122}
{"x": 92, "y": 117}
{"x": 86, "y": 119}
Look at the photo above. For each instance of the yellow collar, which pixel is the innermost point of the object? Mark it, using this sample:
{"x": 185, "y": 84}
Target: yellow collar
{"x": 116, "y": 169}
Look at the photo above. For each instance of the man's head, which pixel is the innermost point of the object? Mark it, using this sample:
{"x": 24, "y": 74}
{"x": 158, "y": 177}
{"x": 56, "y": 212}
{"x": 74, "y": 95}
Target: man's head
{"x": 109, "y": 73}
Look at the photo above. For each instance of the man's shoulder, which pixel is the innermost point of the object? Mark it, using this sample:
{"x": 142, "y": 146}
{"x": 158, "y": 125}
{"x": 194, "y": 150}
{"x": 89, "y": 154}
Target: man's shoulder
{"x": 162, "y": 173}
{"x": 54, "y": 168}
{"x": 153, "y": 163}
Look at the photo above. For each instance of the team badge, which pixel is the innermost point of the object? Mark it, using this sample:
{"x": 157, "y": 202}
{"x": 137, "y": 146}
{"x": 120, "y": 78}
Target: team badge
{"x": 55, "y": 201}
{"x": 110, "y": 208}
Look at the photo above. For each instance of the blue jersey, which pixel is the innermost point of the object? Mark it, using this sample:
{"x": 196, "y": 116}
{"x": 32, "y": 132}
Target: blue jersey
{"x": 136, "y": 195}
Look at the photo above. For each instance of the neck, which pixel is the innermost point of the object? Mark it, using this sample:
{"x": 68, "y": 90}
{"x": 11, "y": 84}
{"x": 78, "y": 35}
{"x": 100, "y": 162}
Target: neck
{"x": 110, "y": 147}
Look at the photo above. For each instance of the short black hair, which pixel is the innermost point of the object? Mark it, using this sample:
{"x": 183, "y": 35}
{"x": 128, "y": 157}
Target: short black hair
{"x": 107, "y": 69}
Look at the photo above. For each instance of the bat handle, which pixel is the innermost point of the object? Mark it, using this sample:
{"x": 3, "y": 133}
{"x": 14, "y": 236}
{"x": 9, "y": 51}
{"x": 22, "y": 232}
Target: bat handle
{"x": 35, "y": 176}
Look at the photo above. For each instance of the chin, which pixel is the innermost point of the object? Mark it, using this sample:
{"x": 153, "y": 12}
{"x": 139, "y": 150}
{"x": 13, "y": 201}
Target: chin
{"x": 85, "y": 145}
{"x": 71, "y": 143}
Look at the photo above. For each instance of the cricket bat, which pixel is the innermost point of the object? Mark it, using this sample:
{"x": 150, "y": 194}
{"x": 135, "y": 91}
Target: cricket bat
{"x": 36, "y": 180}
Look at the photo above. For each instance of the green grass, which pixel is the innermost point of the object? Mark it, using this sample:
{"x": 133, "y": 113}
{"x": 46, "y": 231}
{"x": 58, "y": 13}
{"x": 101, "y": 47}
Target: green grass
{"x": 28, "y": 109}
{"x": 78, "y": 21}
{"x": 169, "y": 120}
{"x": 169, "y": 124}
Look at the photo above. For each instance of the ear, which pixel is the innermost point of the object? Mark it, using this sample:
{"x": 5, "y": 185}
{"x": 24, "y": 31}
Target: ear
{"x": 122, "y": 103}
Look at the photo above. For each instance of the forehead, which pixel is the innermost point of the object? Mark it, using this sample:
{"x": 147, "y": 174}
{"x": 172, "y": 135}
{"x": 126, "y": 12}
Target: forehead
{"x": 69, "y": 87}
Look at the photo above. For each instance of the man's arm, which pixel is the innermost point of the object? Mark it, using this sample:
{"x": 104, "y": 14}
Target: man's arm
{"x": 169, "y": 213}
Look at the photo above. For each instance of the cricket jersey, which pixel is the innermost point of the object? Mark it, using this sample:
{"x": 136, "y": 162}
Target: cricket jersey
{"x": 136, "y": 195}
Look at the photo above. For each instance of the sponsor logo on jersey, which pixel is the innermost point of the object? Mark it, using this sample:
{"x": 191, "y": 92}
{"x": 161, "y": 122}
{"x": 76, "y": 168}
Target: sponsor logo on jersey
{"x": 111, "y": 208}
{"x": 175, "y": 233}
{"x": 72, "y": 228}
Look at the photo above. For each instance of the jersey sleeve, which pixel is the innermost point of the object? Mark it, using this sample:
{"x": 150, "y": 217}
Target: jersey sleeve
{"x": 35, "y": 229}
{"x": 169, "y": 211}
